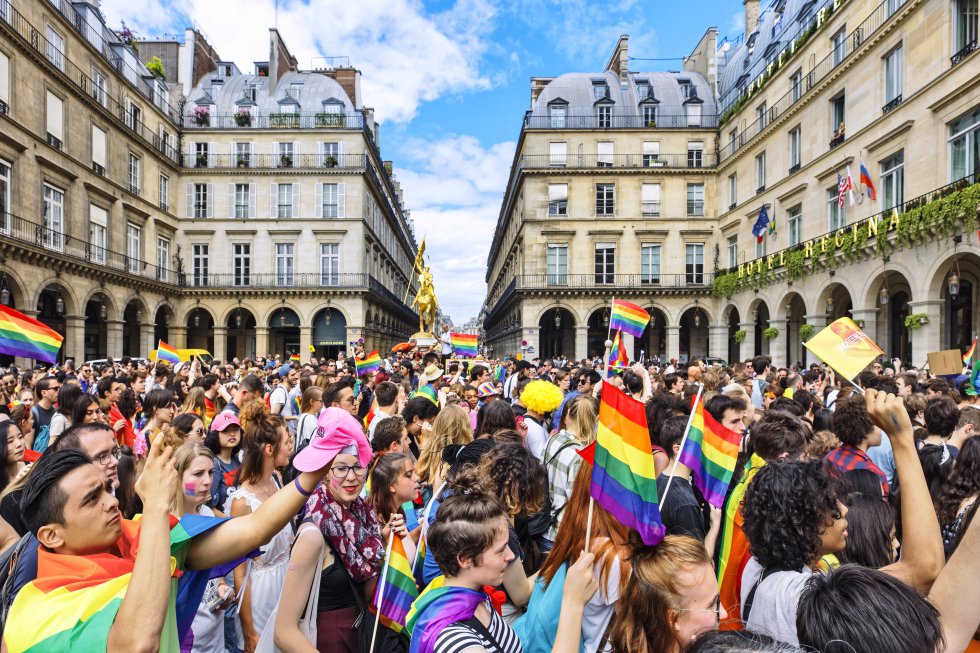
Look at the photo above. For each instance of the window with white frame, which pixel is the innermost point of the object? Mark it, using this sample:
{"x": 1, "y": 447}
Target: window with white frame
{"x": 893, "y": 181}
{"x": 557, "y": 154}
{"x": 693, "y": 111}
{"x": 965, "y": 23}
{"x": 732, "y": 251}
{"x": 55, "y": 50}
{"x": 557, "y": 264}
{"x": 284, "y": 264}
{"x": 839, "y": 44}
{"x": 604, "y": 154}
{"x": 54, "y": 217}
{"x": 650, "y": 263}
{"x": 695, "y": 199}
{"x": 284, "y": 154}
{"x": 603, "y": 114}
{"x": 98, "y": 150}
{"x": 99, "y": 86}
{"x": 836, "y": 210}
{"x": 134, "y": 247}
{"x": 329, "y": 264}
{"x": 4, "y": 83}
{"x": 202, "y": 153}
{"x": 695, "y": 154}
{"x": 794, "y": 148}
{"x": 200, "y": 264}
{"x": 760, "y": 172}
{"x": 642, "y": 89}
{"x": 650, "y": 199}
{"x": 241, "y": 256}
{"x": 134, "y": 115}
{"x": 55, "y": 120}
{"x": 605, "y": 263}
{"x": 557, "y": 200}
{"x": 651, "y": 153}
{"x": 605, "y": 199}
{"x": 794, "y": 223}
{"x": 600, "y": 90}
{"x": 163, "y": 259}
{"x": 964, "y": 146}
{"x": 135, "y": 174}
{"x": 694, "y": 263}
{"x": 649, "y": 112}
{"x": 243, "y": 154}
{"x": 4, "y": 197}
{"x": 98, "y": 221}
{"x": 732, "y": 190}
{"x": 760, "y": 116}
{"x": 284, "y": 201}
{"x": 893, "y": 75}
{"x": 332, "y": 200}
{"x": 201, "y": 201}
{"x": 165, "y": 192}
{"x": 796, "y": 85}
{"x": 837, "y": 106}
{"x": 330, "y": 154}
{"x": 557, "y": 114}
{"x": 243, "y": 201}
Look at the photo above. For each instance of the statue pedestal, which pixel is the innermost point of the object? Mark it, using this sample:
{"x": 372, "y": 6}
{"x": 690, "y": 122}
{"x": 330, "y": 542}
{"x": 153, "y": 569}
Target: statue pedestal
{"x": 423, "y": 339}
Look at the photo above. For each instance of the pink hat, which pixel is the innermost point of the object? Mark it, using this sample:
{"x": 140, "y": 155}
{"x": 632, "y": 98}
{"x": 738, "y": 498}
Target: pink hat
{"x": 337, "y": 429}
{"x": 224, "y": 420}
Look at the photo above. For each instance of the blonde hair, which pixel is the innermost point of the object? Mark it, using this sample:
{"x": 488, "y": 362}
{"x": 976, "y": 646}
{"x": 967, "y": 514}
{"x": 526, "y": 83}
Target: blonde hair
{"x": 194, "y": 402}
{"x": 183, "y": 458}
{"x": 451, "y": 426}
{"x": 582, "y": 418}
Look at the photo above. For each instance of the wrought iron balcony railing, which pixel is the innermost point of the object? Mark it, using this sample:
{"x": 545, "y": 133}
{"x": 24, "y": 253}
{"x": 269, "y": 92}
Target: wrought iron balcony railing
{"x": 620, "y": 161}
{"x": 620, "y": 121}
{"x": 198, "y": 119}
{"x": 268, "y": 161}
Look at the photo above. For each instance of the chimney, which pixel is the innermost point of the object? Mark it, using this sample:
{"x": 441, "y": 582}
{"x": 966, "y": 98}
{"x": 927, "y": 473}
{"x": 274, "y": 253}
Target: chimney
{"x": 751, "y": 16}
{"x": 619, "y": 60}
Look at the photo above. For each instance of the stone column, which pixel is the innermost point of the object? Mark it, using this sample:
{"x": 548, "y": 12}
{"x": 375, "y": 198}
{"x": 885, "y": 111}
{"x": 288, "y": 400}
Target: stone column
{"x": 818, "y": 321}
{"x": 870, "y": 319}
{"x": 305, "y": 342}
{"x": 777, "y": 346}
{"x": 220, "y": 342}
{"x": 746, "y": 349}
{"x": 927, "y": 337}
{"x": 581, "y": 343}
{"x": 74, "y": 344}
{"x": 718, "y": 341}
{"x": 673, "y": 342}
{"x": 146, "y": 342}
{"x": 114, "y": 339}
{"x": 261, "y": 341}
{"x": 179, "y": 334}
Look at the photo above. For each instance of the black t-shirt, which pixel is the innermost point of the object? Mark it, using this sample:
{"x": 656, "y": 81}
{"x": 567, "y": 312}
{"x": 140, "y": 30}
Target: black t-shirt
{"x": 10, "y": 511}
{"x": 681, "y": 513}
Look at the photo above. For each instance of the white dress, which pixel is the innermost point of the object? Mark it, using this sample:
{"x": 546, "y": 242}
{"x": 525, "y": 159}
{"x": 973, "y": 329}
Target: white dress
{"x": 209, "y": 627}
{"x": 267, "y": 572}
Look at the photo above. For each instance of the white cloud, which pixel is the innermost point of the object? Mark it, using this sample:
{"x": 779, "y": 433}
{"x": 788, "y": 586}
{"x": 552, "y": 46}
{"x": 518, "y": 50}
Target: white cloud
{"x": 406, "y": 55}
{"x": 454, "y": 188}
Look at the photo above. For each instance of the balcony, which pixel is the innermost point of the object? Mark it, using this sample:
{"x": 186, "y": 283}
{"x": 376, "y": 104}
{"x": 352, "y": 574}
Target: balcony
{"x": 339, "y": 162}
{"x": 620, "y": 121}
{"x": 651, "y": 208}
{"x": 837, "y": 140}
{"x": 699, "y": 281}
{"x": 966, "y": 51}
{"x": 271, "y": 280}
{"x": 4, "y": 108}
{"x": 54, "y": 142}
{"x": 636, "y": 162}
{"x": 273, "y": 120}
{"x": 891, "y": 105}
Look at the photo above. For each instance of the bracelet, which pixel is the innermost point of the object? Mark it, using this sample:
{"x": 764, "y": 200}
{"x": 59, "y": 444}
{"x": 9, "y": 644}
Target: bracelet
{"x": 299, "y": 488}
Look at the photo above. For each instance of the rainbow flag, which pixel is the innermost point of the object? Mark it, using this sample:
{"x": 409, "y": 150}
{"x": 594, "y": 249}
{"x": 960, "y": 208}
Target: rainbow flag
{"x": 436, "y": 608}
{"x": 167, "y": 353}
{"x": 499, "y": 373}
{"x": 370, "y": 415}
{"x": 617, "y": 355}
{"x": 368, "y": 364}
{"x": 628, "y": 318}
{"x": 393, "y": 599}
{"x": 294, "y": 357}
{"x": 26, "y": 337}
{"x": 624, "y": 480}
{"x": 733, "y": 550}
{"x": 968, "y": 356}
{"x": 465, "y": 344}
{"x": 297, "y": 404}
{"x": 428, "y": 392}
{"x": 711, "y": 451}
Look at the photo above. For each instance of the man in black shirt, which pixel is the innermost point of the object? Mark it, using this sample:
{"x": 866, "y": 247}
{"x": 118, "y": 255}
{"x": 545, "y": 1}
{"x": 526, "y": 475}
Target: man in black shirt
{"x": 682, "y": 510}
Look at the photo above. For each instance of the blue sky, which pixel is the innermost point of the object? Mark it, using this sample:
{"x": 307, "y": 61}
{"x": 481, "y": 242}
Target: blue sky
{"x": 450, "y": 81}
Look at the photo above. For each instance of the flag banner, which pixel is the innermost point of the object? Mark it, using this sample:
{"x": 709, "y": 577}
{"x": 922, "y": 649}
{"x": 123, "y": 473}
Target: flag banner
{"x": 437, "y": 607}
{"x": 844, "y": 347}
{"x": 628, "y": 318}
{"x": 865, "y": 178}
{"x": 396, "y": 595}
{"x": 968, "y": 356}
{"x": 167, "y": 353}
{"x": 465, "y": 344}
{"x": 428, "y": 392}
{"x": 294, "y": 358}
{"x": 711, "y": 451}
{"x": 761, "y": 223}
{"x": 368, "y": 364}
{"x": 24, "y": 336}
{"x": 618, "y": 360}
{"x": 499, "y": 373}
{"x": 850, "y": 186}
{"x": 624, "y": 480}
{"x": 843, "y": 186}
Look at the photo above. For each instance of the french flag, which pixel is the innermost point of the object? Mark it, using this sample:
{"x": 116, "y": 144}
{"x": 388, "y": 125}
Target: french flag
{"x": 866, "y": 180}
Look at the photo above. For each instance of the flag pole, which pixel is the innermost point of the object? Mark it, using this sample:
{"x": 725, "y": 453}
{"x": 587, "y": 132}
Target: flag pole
{"x": 687, "y": 431}
{"x": 588, "y": 528}
{"x": 381, "y": 588}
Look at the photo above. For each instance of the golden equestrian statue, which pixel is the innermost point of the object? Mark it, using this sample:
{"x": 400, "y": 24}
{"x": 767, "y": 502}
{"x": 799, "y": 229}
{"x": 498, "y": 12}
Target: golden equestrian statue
{"x": 426, "y": 301}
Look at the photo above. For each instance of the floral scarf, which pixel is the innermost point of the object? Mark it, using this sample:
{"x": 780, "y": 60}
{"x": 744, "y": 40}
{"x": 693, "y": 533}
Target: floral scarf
{"x": 353, "y": 532}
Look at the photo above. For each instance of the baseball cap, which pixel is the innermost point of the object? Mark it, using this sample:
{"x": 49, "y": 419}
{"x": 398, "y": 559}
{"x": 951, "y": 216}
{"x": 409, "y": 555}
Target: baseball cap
{"x": 486, "y": 390}
{"x": 224, "y": 420}
{"x": 336, "y": 430}
{"x": 284, "y": 370}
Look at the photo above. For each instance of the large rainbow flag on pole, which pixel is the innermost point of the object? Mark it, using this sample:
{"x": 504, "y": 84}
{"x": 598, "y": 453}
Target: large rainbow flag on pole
{"x": 465, "y": 344}
{"x": 368, "y": 364}
{"x": 711, "y": 451}
{"x": 395, "y": 595}
{"x": 167, "y": 353}
{"x": 628, "y": 318}
{"x": 24, "y": 336}
{"x": 624, "y": 480}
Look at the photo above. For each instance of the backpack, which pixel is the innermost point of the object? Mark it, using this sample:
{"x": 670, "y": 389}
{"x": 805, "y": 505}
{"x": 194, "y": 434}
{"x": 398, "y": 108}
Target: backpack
{"x": 8, "y": 575}
{"x": 539, "y": 524}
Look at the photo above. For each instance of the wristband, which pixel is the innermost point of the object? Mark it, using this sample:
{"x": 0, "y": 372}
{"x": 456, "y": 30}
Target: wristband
{"x": 299, "y": 488}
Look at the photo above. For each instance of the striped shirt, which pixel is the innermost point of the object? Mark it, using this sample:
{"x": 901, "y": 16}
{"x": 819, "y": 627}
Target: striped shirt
{"x": 562, "y": 466}
{"x": 460, "y": 636}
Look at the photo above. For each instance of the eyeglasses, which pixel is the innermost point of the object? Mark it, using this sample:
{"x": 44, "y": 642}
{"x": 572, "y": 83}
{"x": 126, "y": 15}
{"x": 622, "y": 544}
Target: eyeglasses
{"x": 106, "y": 457}
{"x": 582, "y": 381}
{"x": 342, "y": 471}
{"x": 349, "y": 400}
{"x": 716, "y": 609}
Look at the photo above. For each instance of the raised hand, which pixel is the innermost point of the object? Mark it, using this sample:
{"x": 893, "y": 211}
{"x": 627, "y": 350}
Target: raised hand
{"x": 157, "y": 485}
{"x": 888, "y": 412}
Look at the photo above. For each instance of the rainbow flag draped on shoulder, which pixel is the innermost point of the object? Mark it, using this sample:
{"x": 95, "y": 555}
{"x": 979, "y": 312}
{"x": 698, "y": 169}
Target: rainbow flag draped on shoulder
{"x": 368, "y": 364}
{"x": 24, "y": 336}
{"x": 428, "y": 392}
{"x": 628, "y": 318}
{"x": 711, "y": 451}
{"x": 624, "y": 480}
{"x": 398, "y": 592}
{"x": 434, "y": 609}
{"x": 465, "y": 344}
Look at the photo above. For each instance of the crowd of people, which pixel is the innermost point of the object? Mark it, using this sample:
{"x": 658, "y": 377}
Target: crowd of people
{"x": 250, "y": 506}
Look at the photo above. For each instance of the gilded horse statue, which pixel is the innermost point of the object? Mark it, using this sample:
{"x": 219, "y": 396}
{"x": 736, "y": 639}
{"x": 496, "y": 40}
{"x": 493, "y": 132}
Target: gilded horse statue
{"x": 426, "y": 301}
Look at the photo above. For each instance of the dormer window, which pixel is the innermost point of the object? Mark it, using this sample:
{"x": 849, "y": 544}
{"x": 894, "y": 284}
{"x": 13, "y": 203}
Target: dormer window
{"x": 600, "y": 89}
{"x": 295, "y": 90}
{"x": 217, "y": 84}
{"x": 557, "y": 113}
{"x": 750, "y": 43}
{"x": 642, "y": 90}
{"x": 777, "y": 24}
{"x": 687, "y": 88}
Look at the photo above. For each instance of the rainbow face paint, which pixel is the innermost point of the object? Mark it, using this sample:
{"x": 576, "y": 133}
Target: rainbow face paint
{"x": 190, "y": 489}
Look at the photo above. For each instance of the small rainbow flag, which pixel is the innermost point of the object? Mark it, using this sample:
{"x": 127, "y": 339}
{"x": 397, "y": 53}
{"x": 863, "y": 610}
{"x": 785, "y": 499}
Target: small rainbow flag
{"x": 436, "y": 608}
{"x": 711, "y": 451}
{"x": 465, "y": 344}
{"x": 24, "y": 336}
{"x": 167, "y": 353}
{"x": 370, "y": 416}
{"x": 294, "y": 357}
{"x": 624, "y": 480}
{"x": 628, "y": 318}
{"x": 394, "y": 597}
{"x": 297, "y": 403}
{"x": 428, "y": 392}
{"x": 968, "y": 356}
{"x": 617, "y": 355}
{"x": 368, "y": 364}
{"x": 499, "y": 373}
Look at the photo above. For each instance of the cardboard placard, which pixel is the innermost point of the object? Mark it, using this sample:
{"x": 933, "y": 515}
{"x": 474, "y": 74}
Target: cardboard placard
{"x": 946, "y": 363}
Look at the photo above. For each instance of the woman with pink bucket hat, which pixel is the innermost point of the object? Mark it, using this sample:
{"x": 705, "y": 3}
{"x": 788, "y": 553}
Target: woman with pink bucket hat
{"x": 339, "y": 551}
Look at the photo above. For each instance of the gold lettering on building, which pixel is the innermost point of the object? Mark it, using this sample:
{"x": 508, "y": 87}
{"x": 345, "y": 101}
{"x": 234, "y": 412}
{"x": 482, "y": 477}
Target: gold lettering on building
{"x": 808, "y": 249}
{"x": 873, "y": 224}
{"x": 893, "y": 220}
{"x": 769, "y": 260}
{"x": 839, "y": 238}
{"x": 823, "y": 244}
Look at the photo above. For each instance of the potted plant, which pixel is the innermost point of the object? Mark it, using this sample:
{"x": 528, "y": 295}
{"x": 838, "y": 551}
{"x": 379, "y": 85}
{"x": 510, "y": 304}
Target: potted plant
{"x": 242, "y": 161}
{"x": 202, "y": 160}
{"x": 286, "y": 161}
{"x": 651, "y": 123}
{"x": 916, "y": 320}
{"x": 329, "y": 119}
{"x": 860, "y": 323}
{"x": 243, "y": 118}
{"x": 806, "y": 331}
{"x": 740, "y": 336}
{"x": 202, "y": 116}
{"x": 155, "y": 66}
{"x": 330, "y": 161}
{"x": 770, "y": 333}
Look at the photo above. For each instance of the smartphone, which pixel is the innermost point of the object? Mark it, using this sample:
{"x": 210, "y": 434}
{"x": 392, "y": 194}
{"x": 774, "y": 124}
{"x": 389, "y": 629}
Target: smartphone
{"x": 411, "y": 517}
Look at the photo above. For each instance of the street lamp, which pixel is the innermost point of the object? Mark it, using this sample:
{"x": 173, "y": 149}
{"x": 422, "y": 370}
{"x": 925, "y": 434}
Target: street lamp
{"x": 830, "y": 306}
{"x": 605, "y": 319}
{"x": 883, "y": 292}
{"x": 557, "y": 315}
{"x": 59, "y": 305}
{"x": 326, "y": 316}
{"x": 197, "y": 316}
{"x": 103, "y": 312}
{"x": 954, "y": 282}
